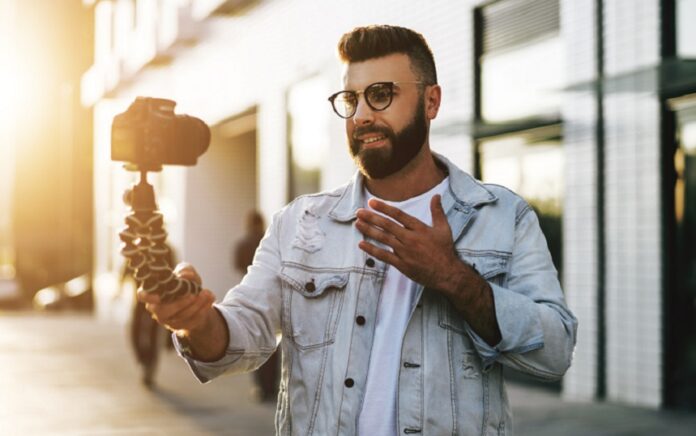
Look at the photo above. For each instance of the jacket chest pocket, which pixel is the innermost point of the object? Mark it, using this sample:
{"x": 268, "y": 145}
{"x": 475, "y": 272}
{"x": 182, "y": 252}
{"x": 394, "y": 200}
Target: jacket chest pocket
{"x": 313, "y": 304}
{"x": 491, "y": 265}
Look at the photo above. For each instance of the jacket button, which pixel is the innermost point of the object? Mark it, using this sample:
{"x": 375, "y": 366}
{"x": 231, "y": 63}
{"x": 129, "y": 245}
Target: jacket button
{"x": 310, "y": 287}
{"x": 349, "y": 382}
{"x": 360, "y": 320}
{"x": 370, "y": 262}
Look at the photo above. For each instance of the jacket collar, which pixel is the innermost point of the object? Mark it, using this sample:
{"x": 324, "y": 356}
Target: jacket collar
{"x": 464, "y": 191}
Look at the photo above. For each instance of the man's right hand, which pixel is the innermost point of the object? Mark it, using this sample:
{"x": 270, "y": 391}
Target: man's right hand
{"x": 188, "y": 312}
{"x": 191, "y": 316}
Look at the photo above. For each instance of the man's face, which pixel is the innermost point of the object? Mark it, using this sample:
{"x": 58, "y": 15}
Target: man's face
{"x": 383, "y": 142}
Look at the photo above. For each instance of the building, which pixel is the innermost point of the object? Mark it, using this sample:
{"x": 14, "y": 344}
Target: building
{"x": 585, "y": 107}
{"x": 45, "y": 143}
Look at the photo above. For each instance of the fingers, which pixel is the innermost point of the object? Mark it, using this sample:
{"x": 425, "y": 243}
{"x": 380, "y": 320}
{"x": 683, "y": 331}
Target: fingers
{"x": 438, "y": 212}
{"x": 186, "y": 271}
{"x": 374, "y": 232}
{"x": 383, "y": 223}
{"x": 405, "y": 219}
{"x": 182, "y": 313}
{"x": 381, "y": 254}
{"x": 147, "y": 297}
{"x": 192, "y": 315}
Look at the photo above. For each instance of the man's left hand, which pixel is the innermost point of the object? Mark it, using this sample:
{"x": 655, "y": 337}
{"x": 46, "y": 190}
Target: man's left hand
{"x": 423, "y": 253}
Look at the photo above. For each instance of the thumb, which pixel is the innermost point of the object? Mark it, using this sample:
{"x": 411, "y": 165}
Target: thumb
{"x": 437, "y": 212}
{"x": 185, "y": 270}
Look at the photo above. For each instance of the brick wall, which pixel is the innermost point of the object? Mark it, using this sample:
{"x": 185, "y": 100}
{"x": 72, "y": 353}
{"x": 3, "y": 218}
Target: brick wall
{"x": 580, "y": 232}
{"x": 633, "y": 242}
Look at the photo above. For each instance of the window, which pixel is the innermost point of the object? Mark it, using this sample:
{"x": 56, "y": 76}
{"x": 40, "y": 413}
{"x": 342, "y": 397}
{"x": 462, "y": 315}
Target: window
{"x": 518, "y": 128}
{"x": 531, "y": 164}
{"x": 308, "y": 135}
{"x": 520, "y": 59}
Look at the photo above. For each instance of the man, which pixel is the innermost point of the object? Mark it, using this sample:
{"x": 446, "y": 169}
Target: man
{"x": 401, "y": 295}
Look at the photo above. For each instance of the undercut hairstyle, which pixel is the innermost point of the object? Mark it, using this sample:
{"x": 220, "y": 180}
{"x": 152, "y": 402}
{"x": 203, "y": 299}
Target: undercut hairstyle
{"x": 376, "y": 41}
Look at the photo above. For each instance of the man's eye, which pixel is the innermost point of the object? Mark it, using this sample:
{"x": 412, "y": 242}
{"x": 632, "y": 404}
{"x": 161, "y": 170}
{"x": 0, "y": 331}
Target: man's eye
{"x": 347, "y": 99}
{"x": 379, "y": 94}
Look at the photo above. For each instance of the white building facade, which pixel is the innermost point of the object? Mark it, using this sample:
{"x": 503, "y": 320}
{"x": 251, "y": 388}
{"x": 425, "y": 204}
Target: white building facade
{"x": 565, "y": 101}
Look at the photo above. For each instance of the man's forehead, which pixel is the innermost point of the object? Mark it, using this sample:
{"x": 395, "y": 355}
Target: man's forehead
{"x": 390, "y": 68}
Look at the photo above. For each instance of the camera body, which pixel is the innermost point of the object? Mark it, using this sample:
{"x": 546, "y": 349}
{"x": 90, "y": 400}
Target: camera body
{"x": 149, "y": 134}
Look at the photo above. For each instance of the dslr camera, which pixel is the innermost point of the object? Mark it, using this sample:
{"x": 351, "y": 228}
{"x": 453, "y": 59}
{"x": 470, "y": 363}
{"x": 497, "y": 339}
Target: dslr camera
{"x": 149, "y": 134}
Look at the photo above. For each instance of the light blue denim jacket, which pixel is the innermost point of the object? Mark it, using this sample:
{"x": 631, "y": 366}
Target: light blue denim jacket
{"x": 310, "y": 282}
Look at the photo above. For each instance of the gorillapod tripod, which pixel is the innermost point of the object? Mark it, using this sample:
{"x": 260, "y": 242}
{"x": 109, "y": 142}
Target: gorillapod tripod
{"x": 145, "y": 248}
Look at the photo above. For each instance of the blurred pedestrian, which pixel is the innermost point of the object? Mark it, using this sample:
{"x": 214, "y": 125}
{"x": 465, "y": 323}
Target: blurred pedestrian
{"x": 266, "y": 377}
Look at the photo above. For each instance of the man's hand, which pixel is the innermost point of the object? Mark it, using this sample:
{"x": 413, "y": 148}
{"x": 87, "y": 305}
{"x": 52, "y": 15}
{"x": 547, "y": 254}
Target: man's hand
{"x": 427, "y": 256}
{"x": 193, "y": 317}
{"x": 188, "y": 312}
{"x": 424, "y": 254}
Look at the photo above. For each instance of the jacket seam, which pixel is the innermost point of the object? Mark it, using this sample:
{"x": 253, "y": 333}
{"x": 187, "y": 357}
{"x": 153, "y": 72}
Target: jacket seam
{"x": 345, "y": 375}
{"x": 548, "y": 375}
{"x": 353, "y": 269}
{"x": 317, "y": 397}
{"x": 522, "y": 213}
{"x": 484, "y": 424}
{"x": 453, "y": 392}
{"x": 421, "y": 370}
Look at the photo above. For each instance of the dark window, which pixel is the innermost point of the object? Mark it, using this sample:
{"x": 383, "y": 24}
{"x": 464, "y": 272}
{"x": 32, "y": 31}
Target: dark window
{"x": 681, "y": 263}
{"x": 531, "y": 162}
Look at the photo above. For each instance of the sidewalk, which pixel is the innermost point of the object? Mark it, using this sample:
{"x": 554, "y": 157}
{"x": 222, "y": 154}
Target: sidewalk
{"x": 68, "y": 374}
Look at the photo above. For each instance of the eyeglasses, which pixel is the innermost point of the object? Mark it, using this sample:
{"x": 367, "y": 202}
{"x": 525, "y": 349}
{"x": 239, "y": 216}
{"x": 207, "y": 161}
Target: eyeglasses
{"x": 378, "y": 96}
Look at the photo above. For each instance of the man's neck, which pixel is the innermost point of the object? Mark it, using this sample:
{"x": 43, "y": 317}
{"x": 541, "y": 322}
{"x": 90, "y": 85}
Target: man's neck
{"x": 417, "y": 177}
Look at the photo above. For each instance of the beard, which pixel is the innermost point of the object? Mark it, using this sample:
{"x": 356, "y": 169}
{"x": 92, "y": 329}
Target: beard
{"x": 382, "y": 162}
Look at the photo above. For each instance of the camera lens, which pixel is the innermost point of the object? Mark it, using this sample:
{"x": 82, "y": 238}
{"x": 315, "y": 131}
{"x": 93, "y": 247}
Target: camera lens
{"x": 196, "y": 134}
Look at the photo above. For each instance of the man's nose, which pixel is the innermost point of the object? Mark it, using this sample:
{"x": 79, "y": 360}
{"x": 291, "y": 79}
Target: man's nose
{"x": 364, "y": 114}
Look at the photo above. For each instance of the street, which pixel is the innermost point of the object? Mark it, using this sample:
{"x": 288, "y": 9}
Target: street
{"x": 69, "y": 374}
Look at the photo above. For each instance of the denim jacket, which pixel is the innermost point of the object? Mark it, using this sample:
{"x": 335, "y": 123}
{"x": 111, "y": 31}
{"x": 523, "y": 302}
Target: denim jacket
{"x": 312, "y": 284}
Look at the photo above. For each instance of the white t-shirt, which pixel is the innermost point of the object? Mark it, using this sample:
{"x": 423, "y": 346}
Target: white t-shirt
{"x": 378, "y": 414}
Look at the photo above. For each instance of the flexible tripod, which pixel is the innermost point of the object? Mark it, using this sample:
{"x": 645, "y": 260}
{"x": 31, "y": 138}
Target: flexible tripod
{"x": 145, "y": 248}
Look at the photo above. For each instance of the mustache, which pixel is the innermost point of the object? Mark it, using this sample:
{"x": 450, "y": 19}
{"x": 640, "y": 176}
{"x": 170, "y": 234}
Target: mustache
{"x": 359, "y": 131}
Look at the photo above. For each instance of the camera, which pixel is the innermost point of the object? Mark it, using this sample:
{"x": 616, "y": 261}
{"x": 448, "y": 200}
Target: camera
{"x": 149, "y": 134}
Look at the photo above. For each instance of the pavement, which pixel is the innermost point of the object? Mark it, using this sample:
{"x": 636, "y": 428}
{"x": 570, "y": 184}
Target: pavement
{"x": 70, "y": 374}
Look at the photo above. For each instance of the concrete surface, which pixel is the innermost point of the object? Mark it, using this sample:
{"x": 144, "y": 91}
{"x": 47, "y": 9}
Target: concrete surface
{"x": 68, "y": 374}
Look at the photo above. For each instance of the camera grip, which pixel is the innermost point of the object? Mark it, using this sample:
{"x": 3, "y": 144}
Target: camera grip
{"x": 145, "y": 249}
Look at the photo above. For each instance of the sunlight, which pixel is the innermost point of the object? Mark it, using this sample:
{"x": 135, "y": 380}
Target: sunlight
{"x": 309, "y": 117}
{"x": 9, "y": 93}
{"x": 9, "y": 98}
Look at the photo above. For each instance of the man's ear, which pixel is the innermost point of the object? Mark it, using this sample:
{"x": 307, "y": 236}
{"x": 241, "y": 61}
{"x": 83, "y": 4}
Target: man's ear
{"x": 433, "y": 97}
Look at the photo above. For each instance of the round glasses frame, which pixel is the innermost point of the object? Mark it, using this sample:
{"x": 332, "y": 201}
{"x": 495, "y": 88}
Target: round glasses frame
{"x": 370, "y": 93}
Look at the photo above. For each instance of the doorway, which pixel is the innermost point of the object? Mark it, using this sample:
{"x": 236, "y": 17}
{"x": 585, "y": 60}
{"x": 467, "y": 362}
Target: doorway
{"x": 221, "y": 191}
{"x": 680, "y": 318}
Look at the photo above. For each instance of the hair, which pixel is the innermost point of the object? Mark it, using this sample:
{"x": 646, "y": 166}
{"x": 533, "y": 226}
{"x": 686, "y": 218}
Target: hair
{"x": 370, "y": 42}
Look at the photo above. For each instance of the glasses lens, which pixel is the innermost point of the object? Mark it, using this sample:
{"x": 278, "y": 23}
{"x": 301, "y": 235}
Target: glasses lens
{"x": 379, "y": 95}
{"x": 345, "y": 103}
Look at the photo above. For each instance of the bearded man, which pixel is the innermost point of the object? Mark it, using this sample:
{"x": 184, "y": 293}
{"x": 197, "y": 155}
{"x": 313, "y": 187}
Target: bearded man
{"x": 400, "y": 296}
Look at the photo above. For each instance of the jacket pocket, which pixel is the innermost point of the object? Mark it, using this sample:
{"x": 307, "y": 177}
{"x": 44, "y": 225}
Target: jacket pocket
{"x": 315, "y": 298}
{"x": 491, "y": 265}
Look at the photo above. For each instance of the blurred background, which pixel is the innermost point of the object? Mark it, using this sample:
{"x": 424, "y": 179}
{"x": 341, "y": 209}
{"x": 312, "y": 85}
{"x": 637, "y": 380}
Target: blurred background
{"x": 587, "y": 108}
